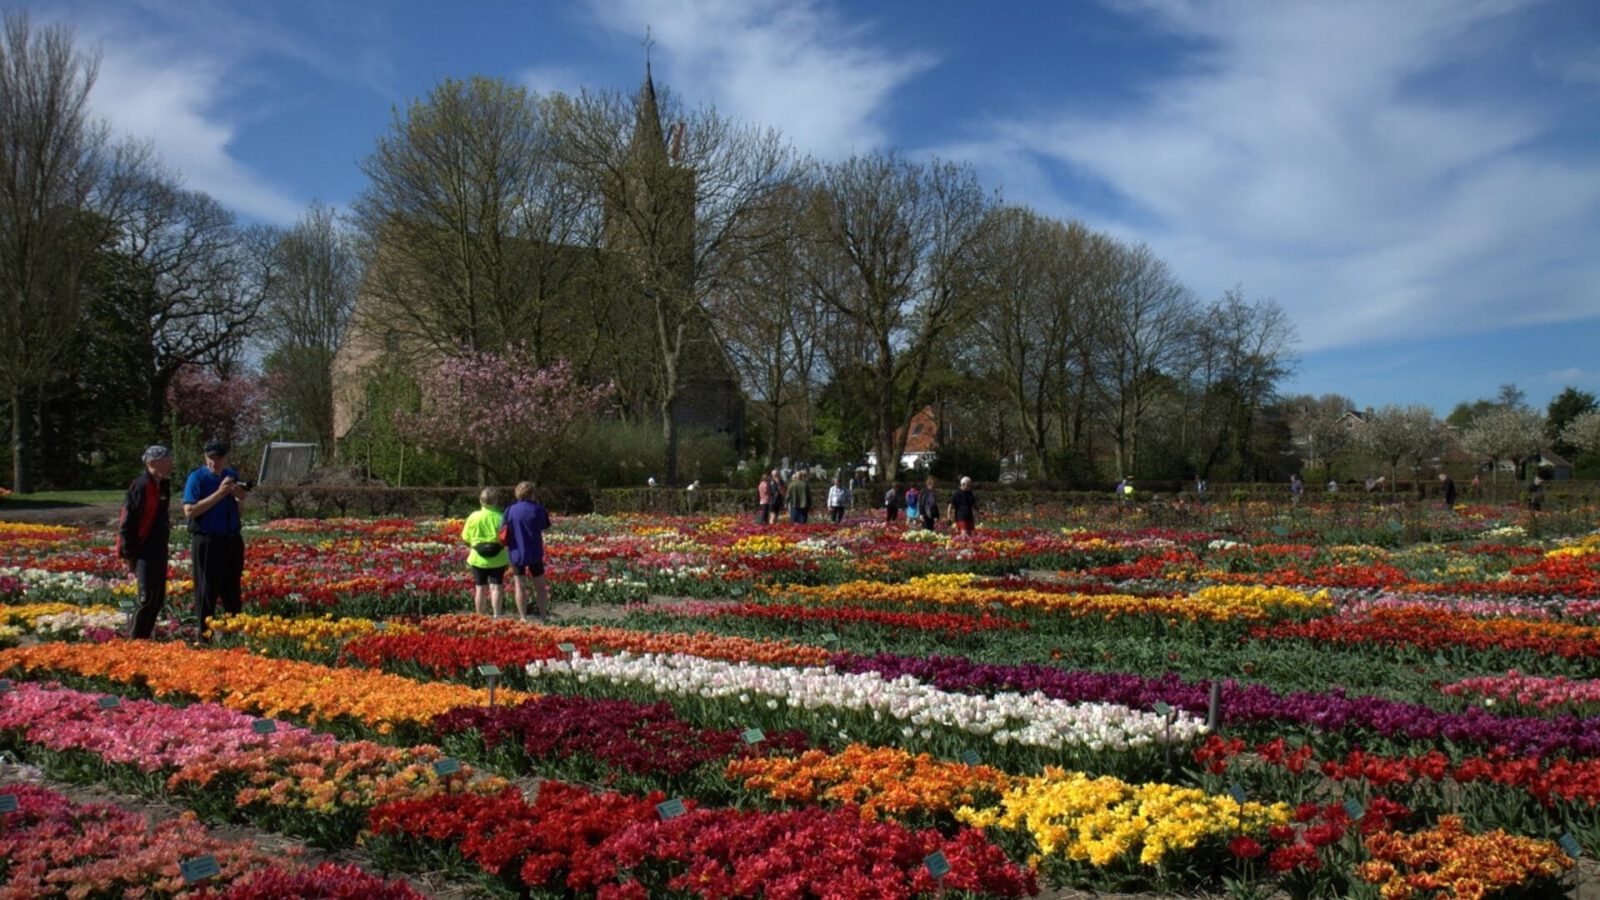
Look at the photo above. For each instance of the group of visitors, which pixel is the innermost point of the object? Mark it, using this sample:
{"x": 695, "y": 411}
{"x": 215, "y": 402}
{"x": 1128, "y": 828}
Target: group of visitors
{"x": 774, "y": 496}
{"x": 213, "y": 495}
{"x": 511, "y": 540}
{"x": 1533, "y": 498}
{"x": 922, "y": 506}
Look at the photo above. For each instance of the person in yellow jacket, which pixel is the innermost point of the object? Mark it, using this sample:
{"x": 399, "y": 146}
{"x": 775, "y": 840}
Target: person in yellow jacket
{"x": 486, "y": 557}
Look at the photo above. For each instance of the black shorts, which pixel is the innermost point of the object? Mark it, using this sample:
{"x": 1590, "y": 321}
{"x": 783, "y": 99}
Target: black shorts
{"x": 532, "y": 570}
{"x": 496, "y": 575}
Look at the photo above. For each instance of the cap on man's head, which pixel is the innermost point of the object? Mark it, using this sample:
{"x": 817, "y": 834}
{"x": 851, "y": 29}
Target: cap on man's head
{"x": 155, "y": 452}
{"x": 217, "y": 448}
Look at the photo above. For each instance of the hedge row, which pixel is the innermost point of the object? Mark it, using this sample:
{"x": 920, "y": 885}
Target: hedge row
{"x": 326, "y": 501}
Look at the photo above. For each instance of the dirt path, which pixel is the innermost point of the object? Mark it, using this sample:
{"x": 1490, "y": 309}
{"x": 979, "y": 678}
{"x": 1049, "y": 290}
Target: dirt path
{"x": 87, "y": 514}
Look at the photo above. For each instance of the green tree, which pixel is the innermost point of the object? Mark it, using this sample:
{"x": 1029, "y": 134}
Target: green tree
{"x": 1508, "y": 397}
{"x": 376, "y": 444}
{"x": 467, "y": 220}
{"x": 1564, "y": 408}
{"x": 59, "y": 199}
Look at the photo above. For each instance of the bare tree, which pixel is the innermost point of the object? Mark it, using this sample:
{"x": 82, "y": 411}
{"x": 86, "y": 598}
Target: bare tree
{"x": 305, "y": 310}
{"x": 1038, "y": 280}
{"x": 1148, "y": 314}
{"x": 1241, "y": 350}
{"x": 892, "y": 250}
{"x": 770, "y": 324}
{"x": 1396, "y": 433}
{"x": 681, "y": 217}
{"x": 1511, "y": 433}
{"x": 183, "y": 283}
{"x": 58, "y": 193}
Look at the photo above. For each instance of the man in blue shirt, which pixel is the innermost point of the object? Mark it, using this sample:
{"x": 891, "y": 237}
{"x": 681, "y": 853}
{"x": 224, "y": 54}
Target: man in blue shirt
{"x": 211, "y": 504}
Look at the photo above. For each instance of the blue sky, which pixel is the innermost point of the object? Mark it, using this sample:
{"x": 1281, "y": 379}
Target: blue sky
{"x": 1416, "y": 182}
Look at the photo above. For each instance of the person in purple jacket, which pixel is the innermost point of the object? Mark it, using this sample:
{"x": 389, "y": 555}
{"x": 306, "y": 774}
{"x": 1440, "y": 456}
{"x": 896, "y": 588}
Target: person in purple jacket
{"x": 525, "y": 523}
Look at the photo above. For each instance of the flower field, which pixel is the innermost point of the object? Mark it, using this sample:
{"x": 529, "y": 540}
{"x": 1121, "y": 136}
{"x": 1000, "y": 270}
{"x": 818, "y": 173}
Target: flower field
{"x": 1315, "y": 702}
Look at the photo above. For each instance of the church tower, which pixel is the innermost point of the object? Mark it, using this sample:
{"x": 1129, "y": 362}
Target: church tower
{"x": 650, "y": 220}
{"x": 651, "y": 235}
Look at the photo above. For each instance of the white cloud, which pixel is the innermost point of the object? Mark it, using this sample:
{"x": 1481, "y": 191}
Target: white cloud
{"x": 1572, "y": 375}
{"x": 794, "y": 66}
{"x": 1322, "y": 154}
{"x": 187, "y": 77}
{"x": 552, "y": 79}
{"x": 172, "y": 101}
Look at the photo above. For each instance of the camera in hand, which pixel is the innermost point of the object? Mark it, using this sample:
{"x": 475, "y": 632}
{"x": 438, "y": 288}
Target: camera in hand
{"x": 245, "y": 483}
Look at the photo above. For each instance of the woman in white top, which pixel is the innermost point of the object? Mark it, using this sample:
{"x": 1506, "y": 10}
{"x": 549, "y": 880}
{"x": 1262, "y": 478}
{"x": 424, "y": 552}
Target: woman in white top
{"x": 836, "y": 502}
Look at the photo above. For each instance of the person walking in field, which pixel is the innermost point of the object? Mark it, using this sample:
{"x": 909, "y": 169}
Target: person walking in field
{"x": 891, "y": 504}
{"x": 964, "y": 508}
{"x": 928, "y": 504}
{"x": 775, "y": 497}
{"x": 799, "y": 499}
{"x": 837, "y": 501}
{"x": 764, "y": 500}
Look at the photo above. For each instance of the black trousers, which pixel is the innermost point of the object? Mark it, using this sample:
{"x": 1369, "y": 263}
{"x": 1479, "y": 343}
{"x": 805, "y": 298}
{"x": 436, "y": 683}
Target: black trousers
{"x": 152, "y": 574}
{"x": 218, "y": 566}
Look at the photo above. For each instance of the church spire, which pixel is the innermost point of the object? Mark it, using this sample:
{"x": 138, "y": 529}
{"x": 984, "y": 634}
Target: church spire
{"x": 648, "y": 138}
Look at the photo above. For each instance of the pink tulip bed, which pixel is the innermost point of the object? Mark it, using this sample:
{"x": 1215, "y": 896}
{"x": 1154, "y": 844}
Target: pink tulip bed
{"x": 1315, "y": 702}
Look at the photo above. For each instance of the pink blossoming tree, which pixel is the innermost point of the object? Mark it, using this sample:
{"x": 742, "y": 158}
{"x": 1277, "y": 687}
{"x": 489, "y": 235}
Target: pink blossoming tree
{"x": 231, "y": 408}
{"x": 500, "y": 410}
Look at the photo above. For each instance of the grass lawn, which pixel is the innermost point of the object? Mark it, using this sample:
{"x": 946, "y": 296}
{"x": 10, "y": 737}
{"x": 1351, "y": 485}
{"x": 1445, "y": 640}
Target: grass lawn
{"x": 48, "y": 499}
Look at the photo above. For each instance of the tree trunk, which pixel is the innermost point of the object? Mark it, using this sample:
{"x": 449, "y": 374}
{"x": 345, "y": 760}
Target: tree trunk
{"x": 669, "y": 430}
{"x": 1041, "y": 442}
{"x": 887, "y": 457}
{"x": 155, "y": 404}
{"x": 21, "y": 477}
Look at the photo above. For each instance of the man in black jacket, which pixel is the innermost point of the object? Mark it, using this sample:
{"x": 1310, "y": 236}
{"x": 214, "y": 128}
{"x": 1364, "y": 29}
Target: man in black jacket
{"x": 143, "y": 532}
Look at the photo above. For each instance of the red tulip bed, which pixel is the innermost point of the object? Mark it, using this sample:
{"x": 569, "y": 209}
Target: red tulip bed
{"x": 1267, "y": 702}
